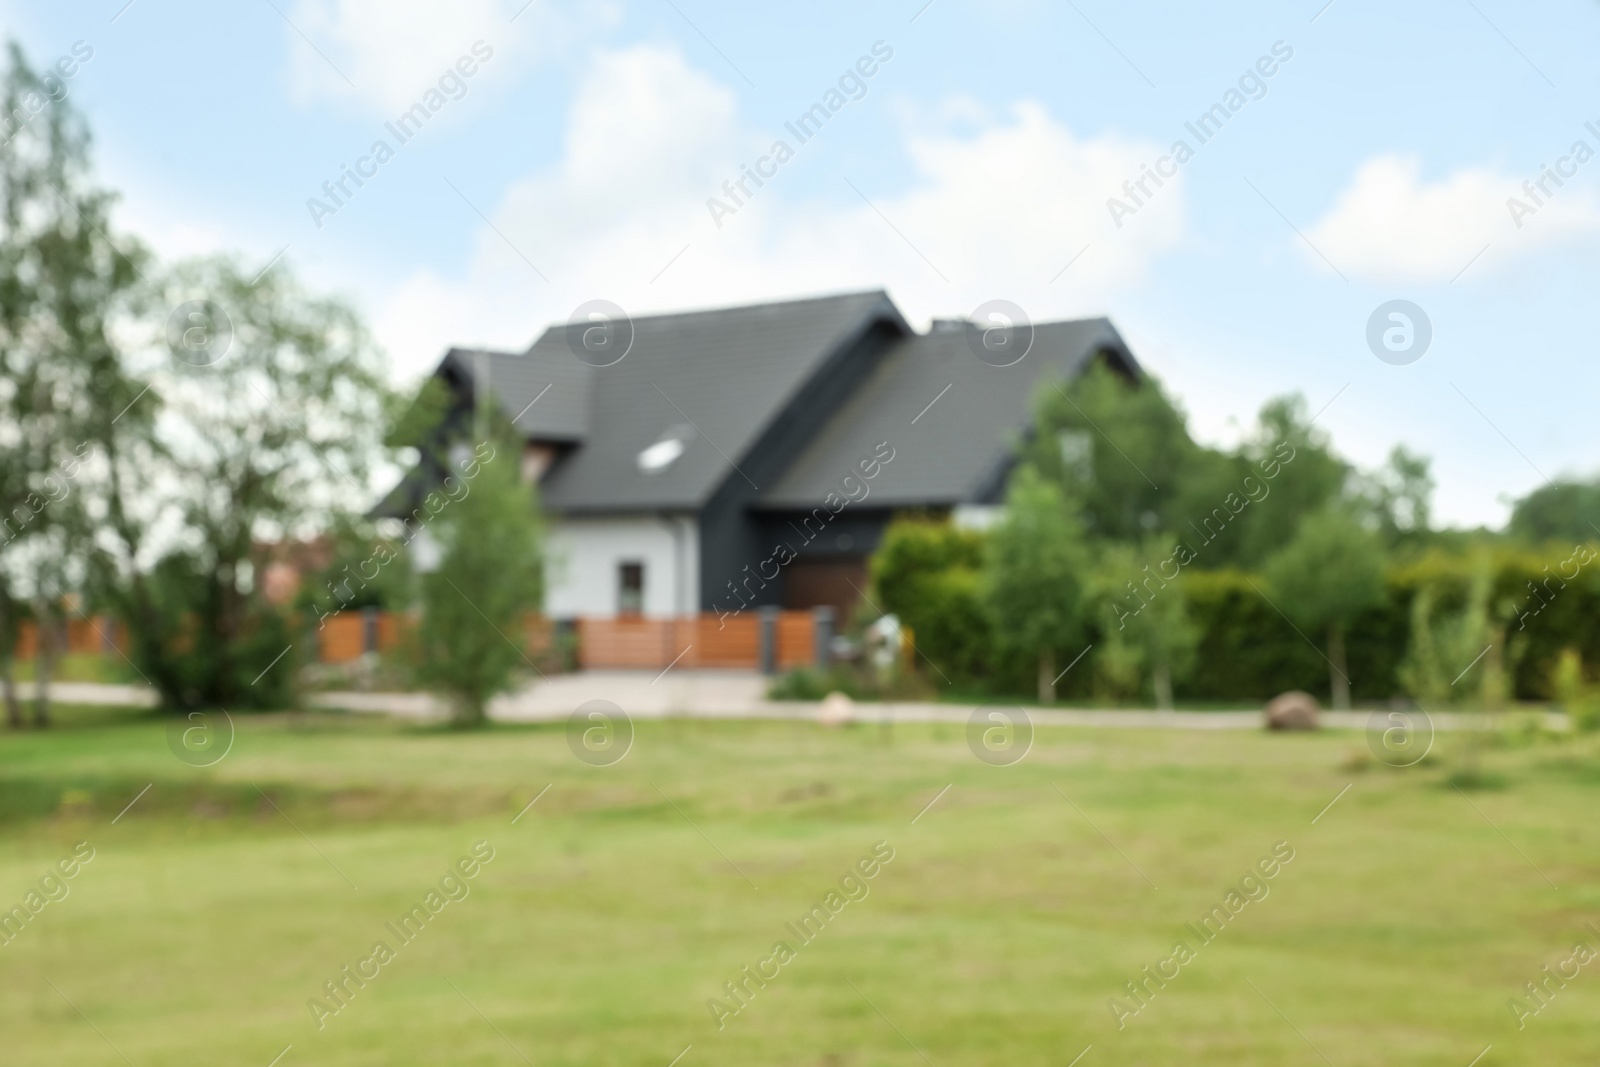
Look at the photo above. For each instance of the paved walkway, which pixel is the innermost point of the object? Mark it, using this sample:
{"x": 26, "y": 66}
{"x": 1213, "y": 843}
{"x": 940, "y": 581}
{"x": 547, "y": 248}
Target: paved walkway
{"x": 710, "y": 694}
{"x": 139, "y": 696}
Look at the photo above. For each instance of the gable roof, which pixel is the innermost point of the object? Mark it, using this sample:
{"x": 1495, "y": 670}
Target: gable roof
{"x": 716, "y": 379}
{"x": 959, "y": 449}
{"x": 720, "y": 380}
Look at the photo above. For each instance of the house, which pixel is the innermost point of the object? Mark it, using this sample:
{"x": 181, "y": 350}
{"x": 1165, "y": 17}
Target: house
{"x": 713, "y": 462}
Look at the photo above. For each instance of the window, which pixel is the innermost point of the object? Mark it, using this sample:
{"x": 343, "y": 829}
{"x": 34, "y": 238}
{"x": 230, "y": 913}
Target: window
{"x": 630, "y": 588}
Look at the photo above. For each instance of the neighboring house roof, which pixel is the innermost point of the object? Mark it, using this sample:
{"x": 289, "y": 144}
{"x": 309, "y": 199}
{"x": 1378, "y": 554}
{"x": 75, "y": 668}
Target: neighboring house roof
{"x": 958, "y": 450}
{"x": 721, "y": 381}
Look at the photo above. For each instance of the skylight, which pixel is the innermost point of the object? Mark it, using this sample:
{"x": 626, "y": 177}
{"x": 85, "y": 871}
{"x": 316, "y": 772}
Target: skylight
{"x": 661, "y": 455}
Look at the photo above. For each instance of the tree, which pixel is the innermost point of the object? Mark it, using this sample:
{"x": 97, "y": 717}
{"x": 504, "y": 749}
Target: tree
{"x": 1170, "y": 638}
{"x": 1459, "y": 626}
{"x": 1120, "y": 452}
{"x": 1328, "y": 574}
{"x": 1312, "y": 479}
{"x": 64, "y": 284}
{"x": 1564, "y": 510}
{"x": 490, "y": 576}
{"x": 273, "y": 412}
{"x": 1118, "y": 662}
{"x": 10, "y": 634}
{"x": 1152, "y": 630}
{"x": 1035, "y": 573}
{"x": 1145, "y": 622}
{"x": 1454, "y": 635}
{"x": 1397, "y": 497}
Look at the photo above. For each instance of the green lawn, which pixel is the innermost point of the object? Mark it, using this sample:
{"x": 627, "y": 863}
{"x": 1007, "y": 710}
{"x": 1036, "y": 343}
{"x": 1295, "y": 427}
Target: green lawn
{"x": 613, "y": 910}
{"x": 82, "y": 667}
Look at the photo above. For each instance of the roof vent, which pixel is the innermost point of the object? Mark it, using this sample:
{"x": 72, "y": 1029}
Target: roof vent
{"x": 948, "y": 325}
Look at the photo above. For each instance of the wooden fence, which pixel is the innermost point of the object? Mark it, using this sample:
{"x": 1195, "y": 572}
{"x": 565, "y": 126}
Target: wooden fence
{"x": 100, "y": 634}
{"x": 346, "y": 636}
{"x": 623, "y": 643}
{"x": 696, "y": 641}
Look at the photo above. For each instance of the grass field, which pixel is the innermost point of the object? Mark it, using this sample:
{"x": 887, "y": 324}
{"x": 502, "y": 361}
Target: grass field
{"x": 1014, "y": 907}
{"x": 82, "y": 667}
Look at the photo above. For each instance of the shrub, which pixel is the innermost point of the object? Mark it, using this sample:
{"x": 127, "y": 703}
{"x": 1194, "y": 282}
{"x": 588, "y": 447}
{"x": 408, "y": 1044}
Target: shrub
{"x": 1579, "y": 698}
{"x": 927, "y": 573}
{"x": 810, "y": 684}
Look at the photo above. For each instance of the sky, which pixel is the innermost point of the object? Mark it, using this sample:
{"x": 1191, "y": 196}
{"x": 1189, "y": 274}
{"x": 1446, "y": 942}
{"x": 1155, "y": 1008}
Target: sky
{"x": 1359, "y": 153}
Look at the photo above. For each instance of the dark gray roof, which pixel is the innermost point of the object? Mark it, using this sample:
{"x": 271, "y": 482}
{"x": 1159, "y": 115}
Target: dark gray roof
{"x": 956, "y": 451}
{"x": 719, "y": 377}
{"x": 524, "y": 382}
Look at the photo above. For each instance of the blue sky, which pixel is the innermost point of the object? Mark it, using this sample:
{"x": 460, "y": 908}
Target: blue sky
{"x": 1374, "y": 164}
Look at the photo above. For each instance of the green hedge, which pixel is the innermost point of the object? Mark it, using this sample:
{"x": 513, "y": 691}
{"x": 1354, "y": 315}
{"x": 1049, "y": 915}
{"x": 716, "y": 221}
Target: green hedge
{"x": 1250, "y": 652}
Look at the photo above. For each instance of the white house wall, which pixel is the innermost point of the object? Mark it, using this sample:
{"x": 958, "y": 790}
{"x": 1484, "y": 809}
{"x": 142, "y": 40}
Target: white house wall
{"x": 584, "y": 557}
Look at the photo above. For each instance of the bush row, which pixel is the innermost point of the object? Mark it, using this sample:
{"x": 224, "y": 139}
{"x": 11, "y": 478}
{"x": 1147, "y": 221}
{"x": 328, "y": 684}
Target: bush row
{"x": 1545, "y": 601}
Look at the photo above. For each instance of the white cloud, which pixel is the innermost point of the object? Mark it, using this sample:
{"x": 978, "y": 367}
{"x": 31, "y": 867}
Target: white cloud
{"x": 1390, "y": 225}
{"x": 392, "y": 50}
{"x": 170, "y": 236}
{"x": 998, "y": 211}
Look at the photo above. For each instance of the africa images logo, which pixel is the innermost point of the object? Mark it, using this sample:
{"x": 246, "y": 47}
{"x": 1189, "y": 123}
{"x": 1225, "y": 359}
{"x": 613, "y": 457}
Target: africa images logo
{"x": 1399, "y": 332}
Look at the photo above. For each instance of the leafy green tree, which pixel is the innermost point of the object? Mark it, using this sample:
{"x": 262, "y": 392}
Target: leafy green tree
{"x": 1564, "y": 510}
{"x": 1170, "y": 639}
{"x": 1120, "y": 452}
{"x": 1310, "y": 479}
{"x": 10, "y": 634}
{"x": 1117, "y": 662}
{"x": 927, "y": 573}
{"x": 273, "y": 414}
{"x": 1398, "y": 498}
{"x": 1434, "y": 645}
{"x": 1458, "y": 635}
{"x": 63, "y": 283}
{"x": 1118, "y": 659}
{"x": 1036, "y": 571}
{"x": 1145, "y": 623}
{"x": 1123, "y": 456}
{"x": 490, "y": 576}
{"x": 1328, "y": 574}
